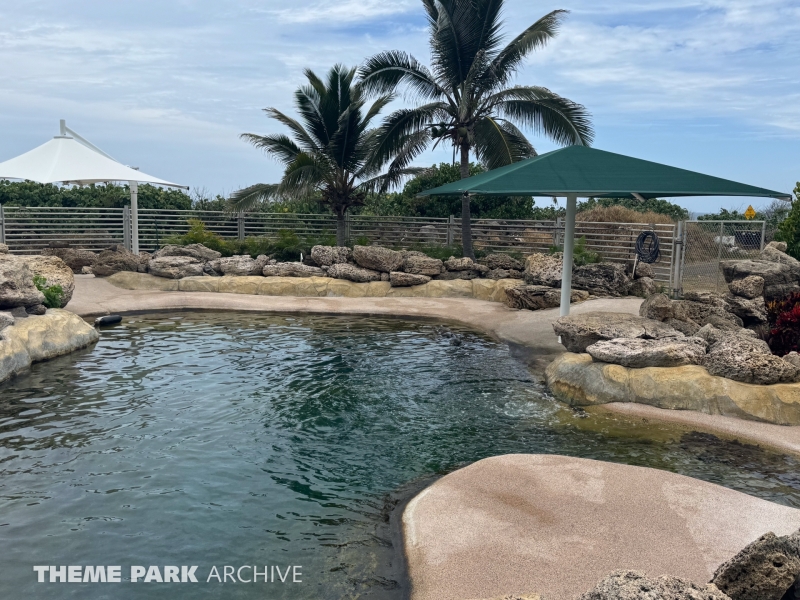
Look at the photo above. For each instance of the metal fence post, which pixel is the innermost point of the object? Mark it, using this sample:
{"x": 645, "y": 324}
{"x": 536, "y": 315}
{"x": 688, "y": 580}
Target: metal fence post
{"x": 451, "y": 224}
{"x": 240, "y": 225}
{"x": 2, "y": 225}
{"x": 126, "y": 227}
{"x": 557, "y": 232}
{"x": 719, "y": 252}
{"x": 763, "y": 233}
{"x": 676, "y": 274}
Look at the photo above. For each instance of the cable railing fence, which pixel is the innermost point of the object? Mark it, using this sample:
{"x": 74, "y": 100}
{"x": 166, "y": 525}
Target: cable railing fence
{"x": 30, "y": 230}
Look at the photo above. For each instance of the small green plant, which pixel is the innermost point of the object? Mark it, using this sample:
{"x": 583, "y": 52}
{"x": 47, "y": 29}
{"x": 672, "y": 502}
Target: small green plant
{"x": 198, "y": 234}
{"x": 581, "y": 255}
{"x": 362, "y": 240}
{"x": 53, "y": 294}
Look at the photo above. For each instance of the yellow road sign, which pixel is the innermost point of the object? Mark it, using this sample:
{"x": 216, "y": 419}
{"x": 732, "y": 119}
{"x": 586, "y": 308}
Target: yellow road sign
{"x": 750, "y": 213}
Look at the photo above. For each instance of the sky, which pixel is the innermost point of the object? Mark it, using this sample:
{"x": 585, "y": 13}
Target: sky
{"x": 169, "y": 85}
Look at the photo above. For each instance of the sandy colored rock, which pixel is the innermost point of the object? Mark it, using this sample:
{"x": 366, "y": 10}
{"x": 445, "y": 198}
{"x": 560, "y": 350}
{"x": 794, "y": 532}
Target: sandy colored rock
{"x": 199, "y": 284}
{"x": 749, "y": 287}
{"x": 344, "y": 288}
{"x": 644, "y": 269}
{"x": 400, "y": 279}
{"x": 199, "y": 251}
{"x": 750, "y": 311}
{"x": 280, "y": 286}
{"x": 780, "y": 279}
{"x": 632, "y": 585}
{"x": 748, "y": 360}
{"x": 703, "y": 313}
{"x": 449, "y": 289}
{"x": 3, "y": 249}
{"x": 377, "y": 258}
{"x": 415, "y": 291}
{"x": 377, "y": 289}
{"x": 353, "y": 273}
{"x": 556, "y": 526}
{"x": 113, "y": 260}
{"x": 175, "y": 266}
{"x": 325, "y": 256}
{"x": 493, "y": 290}
{"x": 772, "y": 253}
{"x": 459, "y": 264}
{"x": 687, "y": 327}
{"x": 240, "y": 285}
{"x": 658, "y": 307}
{"x": 55, "y": 271}
{"x": 578, "y": 381}
{"x": 580, "y": 331}
{"x": 291, "y": 269}
{"x": 311, "y": 286}
{"x": 643, "y": 287}
{"x": 240, "y": 265}
{"x": 38, "y": 338}
{"x": 419, "y": 264}
{"x": 544, "y": 269}
{"x": 130, "y": 280}
{"x": 764, "y": 569}
{"x": 16, "y": 283}
{"x": 779, "y": 246}
{"x": 76, "y": 258}
{"x": 6, "y": 320}
{"x": 639, "y": 353}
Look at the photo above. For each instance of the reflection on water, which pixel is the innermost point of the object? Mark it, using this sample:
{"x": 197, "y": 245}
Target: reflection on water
{"x": 230, "y": 439}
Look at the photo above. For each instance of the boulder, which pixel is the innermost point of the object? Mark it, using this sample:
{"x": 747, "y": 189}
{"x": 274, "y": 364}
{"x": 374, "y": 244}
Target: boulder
{"x": 504, "y": 274}
{"x": 601, "y": 279}
{"x": 242, "y": 265}
{"x": 793, "y": 358}
{"x": 750, "y": 287}
{"x": 36, "y": 309}
{"x": 748, "y": 360}
{"x": 400, "y": 279}
{"x": 640, "y": 353}
{"x": 750, "y": 311}
{"x": 643, "y": 287}
{"x": 176, "y": 267}
{"x": 544, "y": 269}
{"x": 16, "y": 283}
{"x": 144, "y": 262}
{"x": 779, "y": 246}
{"x": 644, "y": 269}
{"x": 3, "y": 249}
{"x": 632, "y": 585}
{"x": 502, "y": 261}
{"x": 658, "y": 307}
{"x": 325, "y": 256}
{"x": 452, "y": 275}
{"x": 459, "y": 264}
{"x": 702, "y": 313}
{"x": 536, "y": 297}
{"x": 198, "y": 251}
{"x": 773, "y": 254}
{"x": 113, "y": 260}
{"x": 780, "y": 279}
{"x": 713, "y": 334}
{"x": 291, "y": 269}
{"x": 420, "y": 264}
{"x": 710, "y": 298}
{"x": 353, "y": 273}
{"x": 377, "y": 258}
{"x": 578, "y": 332}
{"x": 687, "y": 327}
{"x": 765, "y": 569}
{"x": 75, "y": 258}
{"x": 55, "y": 271}
{"x": 6, "y": 320}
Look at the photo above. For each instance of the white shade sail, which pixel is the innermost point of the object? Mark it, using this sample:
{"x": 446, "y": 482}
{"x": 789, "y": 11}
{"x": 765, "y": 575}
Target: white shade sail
{"x": 65, "y": 160}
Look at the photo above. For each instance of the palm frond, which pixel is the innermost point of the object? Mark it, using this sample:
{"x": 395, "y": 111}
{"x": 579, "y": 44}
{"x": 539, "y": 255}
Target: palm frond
{"x": 306, "y": 141}
{"x": 499, "y": 143}
{"x": 395, "y": 129}
{"x": 250, "y": 197}
{"x": 277, "y": 145}
{"x": 384, "y": 72}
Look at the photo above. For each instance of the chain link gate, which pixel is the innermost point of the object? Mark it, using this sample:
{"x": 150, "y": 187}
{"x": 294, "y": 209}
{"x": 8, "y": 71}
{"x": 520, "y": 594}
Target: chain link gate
{"x": 705, "y": 244}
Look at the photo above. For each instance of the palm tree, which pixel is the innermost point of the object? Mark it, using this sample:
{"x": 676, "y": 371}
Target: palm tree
{"x": 331, "y": 149}
{"x": 465, "y": 97}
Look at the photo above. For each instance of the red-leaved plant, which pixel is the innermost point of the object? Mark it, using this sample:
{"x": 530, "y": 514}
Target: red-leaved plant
{"x": 784, "y": 324}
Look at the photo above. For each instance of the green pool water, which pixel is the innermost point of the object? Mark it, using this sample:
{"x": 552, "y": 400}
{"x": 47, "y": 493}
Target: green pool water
{"x": 216, "y": 439}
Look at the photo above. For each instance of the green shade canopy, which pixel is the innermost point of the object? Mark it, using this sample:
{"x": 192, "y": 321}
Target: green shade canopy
{"x": 587, "y": 172}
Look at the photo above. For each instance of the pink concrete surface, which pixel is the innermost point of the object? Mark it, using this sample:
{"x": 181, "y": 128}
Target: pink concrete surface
{"x": 556, "y": 525}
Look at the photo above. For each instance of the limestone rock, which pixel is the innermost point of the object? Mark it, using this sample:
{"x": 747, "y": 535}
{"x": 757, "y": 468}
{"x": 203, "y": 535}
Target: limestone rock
{"x": 687, "y": 327}
{"x": 640, "y": 353}
{"x": 198, "y": 251}
{"x": 658, "y": 307}
{"x": 644, "y": 269}
{"x": 709, "y": 298}
{"x": 643, "y": 287}
{"x": 632, "y": 585}
{"x": 400, "y": 279}
{"x": 55, "y": 271}
{"x": 750, "y": 311}
{"x": 702, "y": 313}
{"x": 291, "y": 269}
{"x": 459, "y": 264}
{"x": 779, "y": 246}
{"x": 419, "y": 264}
{"x": 16, "y": 283}
{"x": 713, "y": 334}
{"x": 748, "y": 360}
{"x": 601, "y": 279}
{"x": 775, "y": 255}
{"x": 536, "y": 297}
{"x": 36, "y": 309}
{"x": 176, "y": 267}
{"x": 780, "y": 279}
{"x": 793, "y": 358}
{"x": 75, "y": 258}
{"x": 504, "y": 274}
{"x": 6, "y": 320}
{"x": 452, "y": 275}
{"x": 377, "y": 258}
{"x": 353, "y": 273}
{"x": 544, "y": 269}
{"x": 750, "y": 287}
{"x": 764, "y": 569}
{"x": 502, "y": 261}
{"x": 384, "y": 276}
{"x": 326, "y": 256}
{"x": 144, "y": 262}
{"x": 581, "y": 331}
{"x": 3, "y": 249}
{"x": 113, "y": 260}
{"x": 241, "y": 265}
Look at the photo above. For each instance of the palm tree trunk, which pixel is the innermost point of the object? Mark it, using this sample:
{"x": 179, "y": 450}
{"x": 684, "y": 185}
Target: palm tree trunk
{"x": 341, "y": 233}
{"x": 466, "y": 214}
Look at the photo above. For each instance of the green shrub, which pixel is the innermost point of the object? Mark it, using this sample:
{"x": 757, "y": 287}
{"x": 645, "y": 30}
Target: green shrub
{"x": 789, "y": 228}
{"x": 198, "y": 234}
{"x": 53, "y": 294}
{"x": 581, "y": 255}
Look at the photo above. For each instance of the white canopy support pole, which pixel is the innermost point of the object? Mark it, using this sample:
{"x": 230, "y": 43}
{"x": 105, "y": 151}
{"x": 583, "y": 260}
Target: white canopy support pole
{"x": 569, "y": 243}
{"x": 134, "y": 216}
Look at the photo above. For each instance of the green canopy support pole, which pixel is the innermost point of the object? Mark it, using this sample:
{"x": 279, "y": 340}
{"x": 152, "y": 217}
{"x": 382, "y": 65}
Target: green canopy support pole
{"x": 569, "y": 243}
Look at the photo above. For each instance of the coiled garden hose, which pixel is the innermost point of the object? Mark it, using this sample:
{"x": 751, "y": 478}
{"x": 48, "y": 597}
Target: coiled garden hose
{"x": 647, "y": 247}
